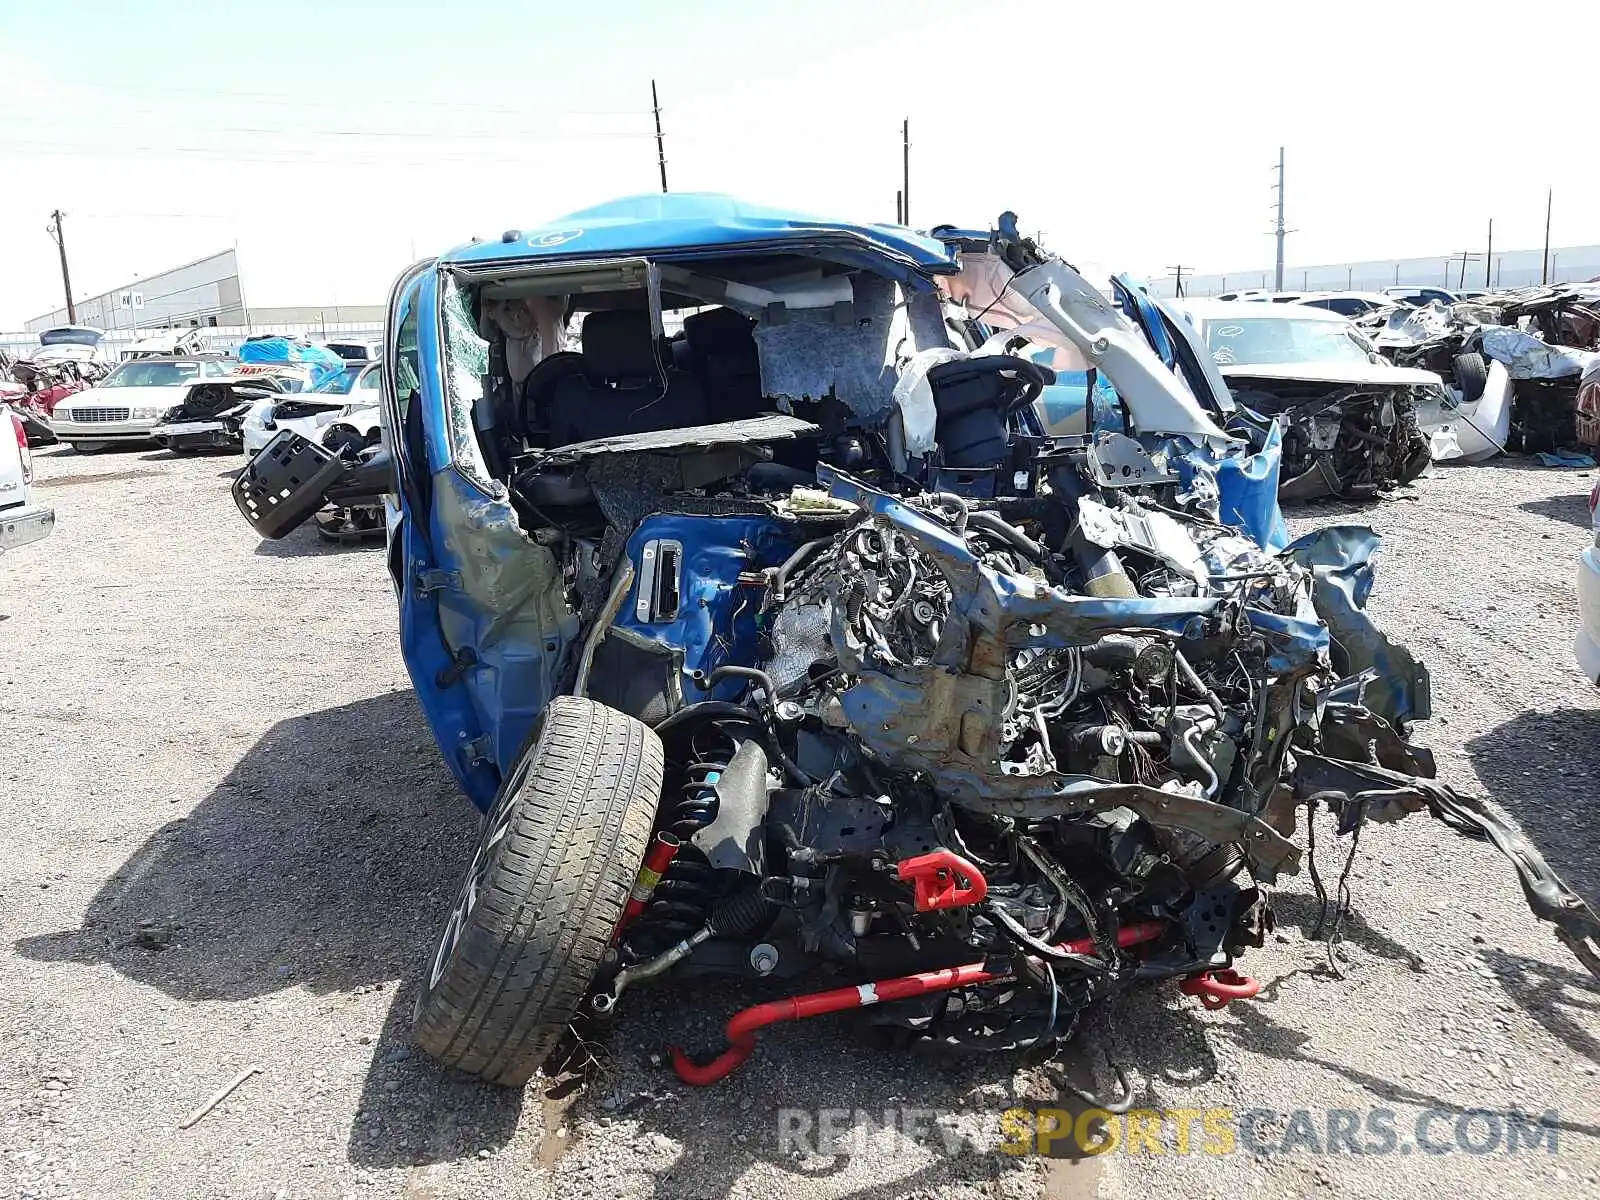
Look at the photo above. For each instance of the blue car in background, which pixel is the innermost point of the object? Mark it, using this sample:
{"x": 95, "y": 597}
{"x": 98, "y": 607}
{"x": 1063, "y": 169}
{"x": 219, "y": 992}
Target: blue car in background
{"x": 803, "y": 598}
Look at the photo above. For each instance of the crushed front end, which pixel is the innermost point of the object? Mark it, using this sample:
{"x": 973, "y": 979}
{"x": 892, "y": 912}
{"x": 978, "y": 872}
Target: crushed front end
{"x": 968, "y": 723}
{"x": 1348, "y": 441}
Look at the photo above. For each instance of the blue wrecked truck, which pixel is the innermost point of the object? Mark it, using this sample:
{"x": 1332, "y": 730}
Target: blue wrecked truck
{"x": 838, "y": 604}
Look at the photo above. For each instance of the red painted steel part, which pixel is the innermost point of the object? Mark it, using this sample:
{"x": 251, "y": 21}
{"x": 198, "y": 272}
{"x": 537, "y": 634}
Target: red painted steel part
{"x": 942, "y": 879}
{"x": 1215, "y": 989}
{"x": 744, "y": 1025}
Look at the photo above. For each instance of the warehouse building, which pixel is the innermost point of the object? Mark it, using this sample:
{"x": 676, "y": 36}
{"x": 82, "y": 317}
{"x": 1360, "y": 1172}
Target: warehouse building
{"x": 207, "y": 293}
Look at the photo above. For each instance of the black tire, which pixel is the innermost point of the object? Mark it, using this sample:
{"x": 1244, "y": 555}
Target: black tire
{"x": 560, "y": 849}
{"x": 1471, "y": 376}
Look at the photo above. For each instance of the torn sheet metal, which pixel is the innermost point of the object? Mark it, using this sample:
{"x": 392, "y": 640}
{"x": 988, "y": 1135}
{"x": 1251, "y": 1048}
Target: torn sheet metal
{"x": 1340, "y": 558}
{"x": 1528, "y": 357}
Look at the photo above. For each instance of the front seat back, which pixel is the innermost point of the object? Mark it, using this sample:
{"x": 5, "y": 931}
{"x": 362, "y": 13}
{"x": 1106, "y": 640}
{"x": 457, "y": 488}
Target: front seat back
{"x": 626, "y": 385}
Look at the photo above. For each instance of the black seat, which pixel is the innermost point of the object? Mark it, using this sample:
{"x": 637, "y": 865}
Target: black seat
{"x": 626, "y": 385}
{"x": 722, "y": 347}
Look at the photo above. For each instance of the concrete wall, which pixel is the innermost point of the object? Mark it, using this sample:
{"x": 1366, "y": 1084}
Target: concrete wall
{"x": 1508, "y": 269}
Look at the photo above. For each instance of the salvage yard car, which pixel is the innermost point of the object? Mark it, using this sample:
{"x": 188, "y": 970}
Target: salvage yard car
{"x": 127, "y": 404}
{"x": 1350, "y": 421}
{"x": 210, "y": 413}
{"x": 21, "y": 520}
{"x": 349, "y": 398}
{"x": 785, "y": 647}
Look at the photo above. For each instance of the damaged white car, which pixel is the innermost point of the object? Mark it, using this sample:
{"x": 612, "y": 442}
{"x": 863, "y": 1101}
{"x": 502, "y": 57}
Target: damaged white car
{"x": 1354, "y": 424}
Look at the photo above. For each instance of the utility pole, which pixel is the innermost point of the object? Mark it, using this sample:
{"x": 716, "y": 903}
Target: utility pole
{"x": 1278, "y": 274}
{"x": 54, "y": 229}
{"x": 1466, "y": 257}
{"x": 905, "y": 171}
{"x": 1178, "y": 271}
{"x": 1488, "y": 255}
{"x": 899, "y": 208}
{"x": 661, "y": 150}
{"x": 1544, "y": 270}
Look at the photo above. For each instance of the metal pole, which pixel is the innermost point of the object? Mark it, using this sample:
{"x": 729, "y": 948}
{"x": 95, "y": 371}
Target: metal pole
{"x": 899, "y": 208}
{"x": 1544, "y": 270}
{"x": 59, "y": 234}
{"x": 1488, "y": 256}
{"x": 905, "y": 171}
{"x": 661, "y": 150}
{"x": 1278, "y": 273}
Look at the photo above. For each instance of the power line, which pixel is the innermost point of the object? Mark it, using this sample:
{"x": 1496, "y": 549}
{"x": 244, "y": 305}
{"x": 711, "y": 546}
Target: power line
{"x": 1178, "y": 271}
{"x": 289, "y": 99}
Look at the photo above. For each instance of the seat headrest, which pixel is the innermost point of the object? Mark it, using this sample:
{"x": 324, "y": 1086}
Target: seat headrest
{"x": 618, "y": 344}
{"x": 718, "y": 327}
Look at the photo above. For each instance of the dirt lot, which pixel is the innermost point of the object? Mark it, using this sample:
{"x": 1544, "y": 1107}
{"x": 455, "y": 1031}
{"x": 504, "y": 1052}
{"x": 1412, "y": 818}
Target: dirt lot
{"x": 229, "y": 841}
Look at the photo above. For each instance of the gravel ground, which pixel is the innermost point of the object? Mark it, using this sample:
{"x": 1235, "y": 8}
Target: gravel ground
{"x": 230, "y": 841}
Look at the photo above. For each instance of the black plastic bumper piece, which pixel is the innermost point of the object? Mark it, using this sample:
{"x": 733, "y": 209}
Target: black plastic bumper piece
{"x": 282, "y": 486}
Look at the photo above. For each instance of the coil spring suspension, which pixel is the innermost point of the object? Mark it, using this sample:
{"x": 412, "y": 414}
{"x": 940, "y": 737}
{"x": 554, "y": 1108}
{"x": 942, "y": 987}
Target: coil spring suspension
{"x": 687, "y": 891}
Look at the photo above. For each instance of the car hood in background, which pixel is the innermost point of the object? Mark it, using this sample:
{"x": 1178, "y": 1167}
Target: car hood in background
{"x": 1331, "y": 372}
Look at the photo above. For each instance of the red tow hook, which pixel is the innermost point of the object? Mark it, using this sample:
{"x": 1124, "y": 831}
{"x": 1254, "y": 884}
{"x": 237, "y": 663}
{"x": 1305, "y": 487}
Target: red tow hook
{"x": 743, "y": 1025}
{"x": 942, "y": 879}
{"x": 1215, "y": 989}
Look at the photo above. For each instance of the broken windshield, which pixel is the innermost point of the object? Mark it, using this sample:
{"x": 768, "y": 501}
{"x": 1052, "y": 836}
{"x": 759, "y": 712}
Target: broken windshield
{"x": 1273, "y": 339}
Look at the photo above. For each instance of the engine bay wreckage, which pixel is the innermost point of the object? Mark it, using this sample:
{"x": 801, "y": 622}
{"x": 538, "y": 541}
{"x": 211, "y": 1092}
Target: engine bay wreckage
{"x": 790, "y": 646}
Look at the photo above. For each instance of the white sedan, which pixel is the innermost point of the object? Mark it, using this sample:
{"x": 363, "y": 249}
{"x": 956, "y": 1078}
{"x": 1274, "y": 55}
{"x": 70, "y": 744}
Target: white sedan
{"x": 1297, "y": 342}
{"x": 349, "y": 399}
{"x": 126, "y": 405}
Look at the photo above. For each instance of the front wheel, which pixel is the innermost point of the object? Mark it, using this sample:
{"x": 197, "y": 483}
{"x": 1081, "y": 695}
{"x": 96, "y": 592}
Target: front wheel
{"x": 560, "y": 849}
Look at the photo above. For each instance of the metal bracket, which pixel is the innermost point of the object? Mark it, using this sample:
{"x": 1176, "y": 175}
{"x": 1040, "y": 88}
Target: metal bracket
{"x": 475, "y": 750}
{"x": 430, "y": 581}
{"x": 466, "y": 658}
{"x": 1117, "y": 460}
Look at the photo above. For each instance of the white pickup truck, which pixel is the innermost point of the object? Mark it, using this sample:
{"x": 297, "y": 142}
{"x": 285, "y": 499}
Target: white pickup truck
{"x": 21, "y": 521}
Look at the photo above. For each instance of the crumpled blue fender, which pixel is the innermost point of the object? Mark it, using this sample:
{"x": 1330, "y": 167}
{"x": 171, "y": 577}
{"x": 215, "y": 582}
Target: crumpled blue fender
{"x": 1340, "y": 559}
{"x": 1247, "y": 488}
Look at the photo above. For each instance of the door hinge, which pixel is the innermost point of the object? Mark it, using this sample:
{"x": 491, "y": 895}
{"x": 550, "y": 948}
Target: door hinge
{"x": 432, "y": 581}
{"x": 465, "y": 659}
{"x": 475, "y": 750}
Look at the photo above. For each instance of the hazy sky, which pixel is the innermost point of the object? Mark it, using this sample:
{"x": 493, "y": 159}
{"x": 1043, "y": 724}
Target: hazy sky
{"x": 332, "y": 139}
